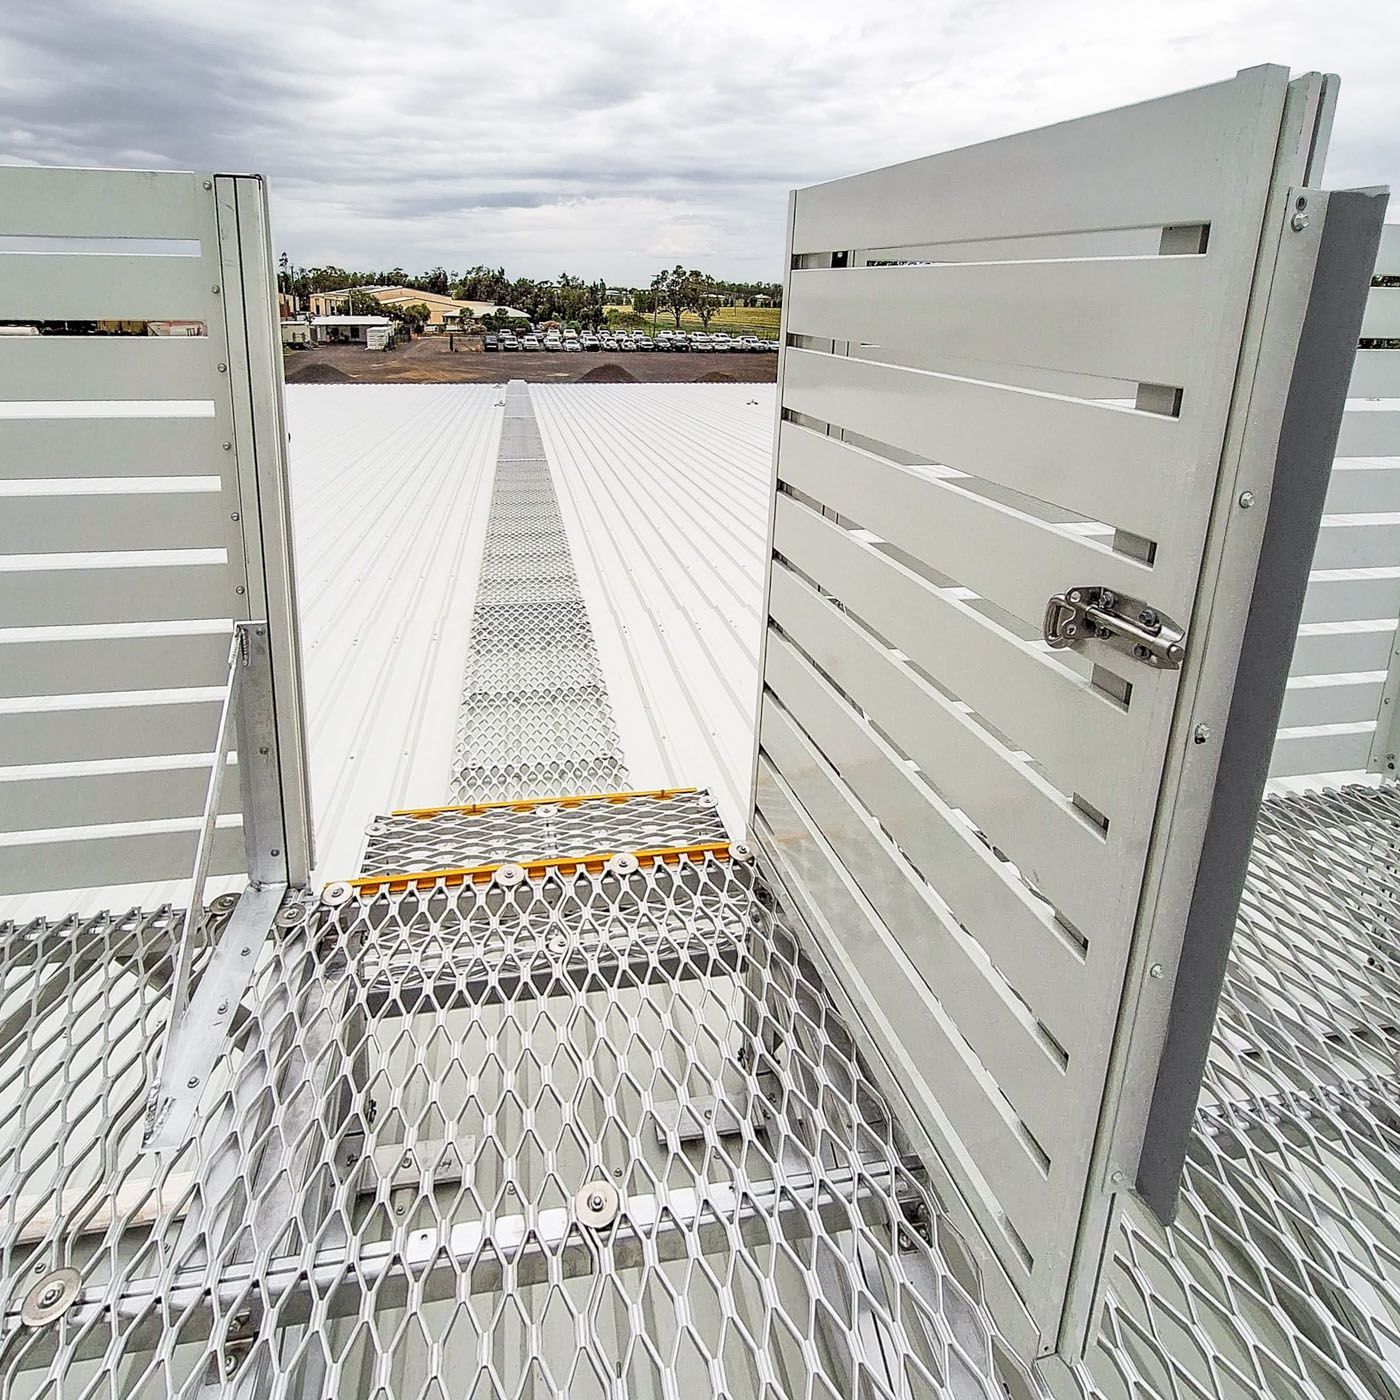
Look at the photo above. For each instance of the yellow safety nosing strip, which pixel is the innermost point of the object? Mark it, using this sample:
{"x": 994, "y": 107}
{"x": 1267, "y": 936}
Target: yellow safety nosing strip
{"x": 525, "y": 804}
{"x": 534, "y": 867}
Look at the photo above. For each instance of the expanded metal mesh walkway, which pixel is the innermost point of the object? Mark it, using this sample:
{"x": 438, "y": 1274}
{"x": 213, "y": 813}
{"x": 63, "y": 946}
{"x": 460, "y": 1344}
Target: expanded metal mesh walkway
{"x": 535, "y": 716}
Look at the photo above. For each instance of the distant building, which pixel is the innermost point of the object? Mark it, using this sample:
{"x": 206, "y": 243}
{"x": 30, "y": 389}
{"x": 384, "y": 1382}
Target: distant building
{"x": 443, "y": 312}
{"x": 345, "y": 330}
{"x": 175, "y": 328}
{"x": 296, "y": 333}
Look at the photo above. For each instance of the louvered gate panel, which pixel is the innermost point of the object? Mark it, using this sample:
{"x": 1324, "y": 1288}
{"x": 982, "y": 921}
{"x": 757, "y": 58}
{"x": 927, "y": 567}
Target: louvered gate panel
{"x": 143, "y": 514}
{"x": 1017, "y": 374}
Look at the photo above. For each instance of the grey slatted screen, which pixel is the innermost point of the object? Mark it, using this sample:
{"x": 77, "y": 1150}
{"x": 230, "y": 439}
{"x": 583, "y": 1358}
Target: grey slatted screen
{"x": 142, "y": 513}
{"x": 1008, "y": 372}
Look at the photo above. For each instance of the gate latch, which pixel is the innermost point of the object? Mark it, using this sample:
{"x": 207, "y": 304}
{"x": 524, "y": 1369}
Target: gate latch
{"x": 1125, "y": 624}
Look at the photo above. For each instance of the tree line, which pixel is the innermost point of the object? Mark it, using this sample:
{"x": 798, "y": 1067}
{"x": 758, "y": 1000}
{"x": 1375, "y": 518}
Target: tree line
{"x": 563, "y": 298}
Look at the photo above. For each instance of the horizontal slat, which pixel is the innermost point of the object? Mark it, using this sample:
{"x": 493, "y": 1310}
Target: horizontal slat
{"x": 84, "y": 287}
{"x": 106, "y": 366}
{"x": 1375, "y": 374}
{"x": 880, "y": 969}
{"x": 1360, "y": 488}
{"x": 964, "y": 536}
{"x": 1375, "y": 594}
{"x": 1342, "y": 748}
{"x": 85, "y": 523}
{"x": 92, "y": 665}
{"x": 104, "y": 203}
{"x": 1358, "y": 542}
{"x": 1084, "y": 174}
{"x": 95, "y": 862}
{"x": 74, "y": 447}
{"x": 1323, "y": 650}
{"x": 1369, "y": 433}
{"x": 58, "y": 597}
{"x": 150, "y": 794}
{"x": 1076, "y": 734}
{"x": 1045, "y": 447}
{"x": 108, "y": 731}
{"x": 1133, "y": 319}
{"x": 1334, "y": 699}
{"x": 987, "y": 1012}
{"x": 1021, "y": 936}
{"x": 1382, "y": 318}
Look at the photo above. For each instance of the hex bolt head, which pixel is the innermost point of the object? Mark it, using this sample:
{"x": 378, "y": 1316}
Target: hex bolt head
{"x": 50, "y": 1295}
{"x": 1155, "y": 970}
{"x": 1246, "y": 499}
{"x": 192, "y": 1082}
{"x": 1201, "y": 733}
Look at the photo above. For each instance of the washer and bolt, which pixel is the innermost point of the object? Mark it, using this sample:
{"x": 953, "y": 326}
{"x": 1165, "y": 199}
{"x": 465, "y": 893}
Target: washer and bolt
{"x": 51, "y": 1297}
{"x": 597, "y": 1204}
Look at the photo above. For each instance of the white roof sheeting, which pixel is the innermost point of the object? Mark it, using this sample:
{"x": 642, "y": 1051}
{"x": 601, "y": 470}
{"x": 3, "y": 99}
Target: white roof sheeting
{"x": 391, "y": 485}
{"x": 663, "y": 489}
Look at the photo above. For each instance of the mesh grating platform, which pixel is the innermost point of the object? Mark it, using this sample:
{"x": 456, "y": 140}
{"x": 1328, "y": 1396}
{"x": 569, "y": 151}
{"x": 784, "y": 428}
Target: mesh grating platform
{"x": 1281, "y": 1276}
{"x": 590, "y": 1136}
{"x": 535, "y": 718}
{"x": 574, "y": 826}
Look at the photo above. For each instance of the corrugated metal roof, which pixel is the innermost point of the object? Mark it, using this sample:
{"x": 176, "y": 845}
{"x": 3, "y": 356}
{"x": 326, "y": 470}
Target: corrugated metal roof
{"x": 663, "y": 490}
{"x": 390, "y": 489}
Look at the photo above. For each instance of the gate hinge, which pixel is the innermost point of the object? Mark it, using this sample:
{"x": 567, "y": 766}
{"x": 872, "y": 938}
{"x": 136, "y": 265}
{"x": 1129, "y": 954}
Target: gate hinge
{"x": 1126, "y": 624}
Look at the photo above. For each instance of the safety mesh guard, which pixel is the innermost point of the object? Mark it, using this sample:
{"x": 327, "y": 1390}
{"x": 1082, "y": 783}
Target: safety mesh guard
{"x": 1281, "y": 1275}
{"x": 384, "y": 1196}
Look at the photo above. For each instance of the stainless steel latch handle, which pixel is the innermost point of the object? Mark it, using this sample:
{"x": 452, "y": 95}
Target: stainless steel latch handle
{"x": 1126, "y": 624}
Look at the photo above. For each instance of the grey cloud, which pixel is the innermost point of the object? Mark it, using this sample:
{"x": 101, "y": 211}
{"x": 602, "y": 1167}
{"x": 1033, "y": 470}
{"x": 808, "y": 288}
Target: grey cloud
{"x": 615, "y": 137}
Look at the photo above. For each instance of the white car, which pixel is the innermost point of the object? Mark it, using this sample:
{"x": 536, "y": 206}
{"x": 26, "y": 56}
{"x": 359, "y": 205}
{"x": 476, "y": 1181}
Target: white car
{"x": 589, "y": 341}
{"x": 608, "y": 342}
{"x": 700, "y": 341}
{"x": 720, "y": 341}
{"x": 552, "y": 342}
{"x": 626, "y": 343}
{"x": 750, "y": 342}
{"x": 571, "y": 343}
{"x": 530, "y": 342}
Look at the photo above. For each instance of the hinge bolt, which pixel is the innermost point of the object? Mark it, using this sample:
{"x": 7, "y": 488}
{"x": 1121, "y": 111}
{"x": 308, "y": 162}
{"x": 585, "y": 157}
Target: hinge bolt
{"x": 1246, "y": 499}
{"x": 1202, "y": 733}
{"x": 1155, "y": 970}
{"x": 1299, "y": 222}
{"x": 1118, "y": 1178}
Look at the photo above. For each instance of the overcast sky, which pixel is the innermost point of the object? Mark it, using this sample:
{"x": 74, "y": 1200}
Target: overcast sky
{"x": 612, "y": 139}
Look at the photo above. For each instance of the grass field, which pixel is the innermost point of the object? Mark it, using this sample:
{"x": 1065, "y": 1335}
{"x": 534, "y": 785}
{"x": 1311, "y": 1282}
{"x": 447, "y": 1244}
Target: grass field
{"x": 741, "y": 320}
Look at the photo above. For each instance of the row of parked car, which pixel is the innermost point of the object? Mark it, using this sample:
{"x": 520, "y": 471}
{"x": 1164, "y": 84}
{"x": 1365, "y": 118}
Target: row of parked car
{"x": 623, "y": 341}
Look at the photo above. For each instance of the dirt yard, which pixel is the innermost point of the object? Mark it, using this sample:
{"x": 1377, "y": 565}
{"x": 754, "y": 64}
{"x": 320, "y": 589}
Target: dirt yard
{"x": 429, "y": 361}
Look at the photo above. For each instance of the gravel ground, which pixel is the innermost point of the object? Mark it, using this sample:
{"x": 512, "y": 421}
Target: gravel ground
{"x": 429, "y": 361}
